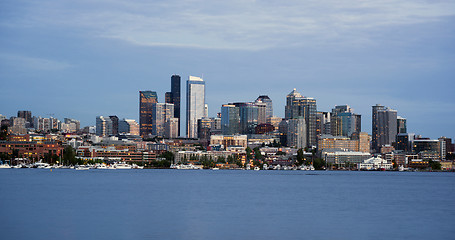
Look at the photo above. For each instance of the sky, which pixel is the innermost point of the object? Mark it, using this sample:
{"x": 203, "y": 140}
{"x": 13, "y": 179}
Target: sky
{"x": 82, "y": 59}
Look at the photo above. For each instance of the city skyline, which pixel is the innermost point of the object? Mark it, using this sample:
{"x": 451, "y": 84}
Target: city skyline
{"x": 82, "y": 60}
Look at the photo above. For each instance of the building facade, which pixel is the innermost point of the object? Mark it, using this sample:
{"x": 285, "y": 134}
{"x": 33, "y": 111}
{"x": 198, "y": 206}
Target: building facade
{"x": 195, "y": 104}
{"x": 299, "y": 106}
{"x": 384, "y": 126}
{"x": 146, "y": 100}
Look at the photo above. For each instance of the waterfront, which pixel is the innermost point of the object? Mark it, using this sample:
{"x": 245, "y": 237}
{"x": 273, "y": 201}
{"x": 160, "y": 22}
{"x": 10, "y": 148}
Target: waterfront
{"x": 225, "y": 204}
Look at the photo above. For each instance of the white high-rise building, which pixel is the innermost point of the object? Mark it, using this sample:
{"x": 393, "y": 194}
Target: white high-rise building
{"x": 195, "y": 104}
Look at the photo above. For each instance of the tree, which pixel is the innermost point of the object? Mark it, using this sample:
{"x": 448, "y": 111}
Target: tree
{"x": 69, "y": 156}
{"x": 4, "y": 132}
{"x": 169, "y": 156}
{"x": 318, "y": 163}
{"x": 300, "y": 157}
{"x": 434, "y": 165}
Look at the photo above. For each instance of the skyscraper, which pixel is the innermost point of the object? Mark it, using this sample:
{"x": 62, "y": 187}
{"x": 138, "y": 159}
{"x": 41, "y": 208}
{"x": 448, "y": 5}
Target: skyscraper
{"x": 195, "y": 104}
{"x": 146, "y": 100}
{"x": 174, "y": 97}
{"x": 114, "y": 120}
{"x": 162, "y": 112}
{"x": 230, "y": 119}
{"x": 344, "y": 122}
{"x": 103, "y": 126}
{"x": 401, "y": 125}
{"x": 384, "y": 126}
{"x": 269, "y": 106}
{"x": 296, "y": 133}
{"x": 299, "y": 106}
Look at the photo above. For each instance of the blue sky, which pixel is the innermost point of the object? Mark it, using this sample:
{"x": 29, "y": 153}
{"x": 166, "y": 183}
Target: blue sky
{"x": 81, "y": 59}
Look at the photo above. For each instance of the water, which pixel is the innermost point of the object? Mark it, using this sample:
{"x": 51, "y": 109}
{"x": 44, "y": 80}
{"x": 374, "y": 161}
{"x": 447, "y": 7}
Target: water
{"x": 225, "y": 204}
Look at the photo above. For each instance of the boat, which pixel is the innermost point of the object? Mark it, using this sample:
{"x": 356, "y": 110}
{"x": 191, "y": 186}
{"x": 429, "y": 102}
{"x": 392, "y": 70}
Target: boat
{"x": 6, "y": 165}
{"x": 81, "y": 167}
{"x": 256, "y": 168}
{"x": 42, "y": 165}
{"x": 215, "y": 168}
{"x": 17, "y": 166}
{"x": 135, "y": 166}
{"x": 122, "y": 166}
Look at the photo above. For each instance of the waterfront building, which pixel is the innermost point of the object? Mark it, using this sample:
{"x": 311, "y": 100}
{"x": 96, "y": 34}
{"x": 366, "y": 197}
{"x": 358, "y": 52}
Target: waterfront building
{"x": 269, "y": 106}
{"x": 296, "y": 134}
{"x": 195, "y": 104}
{"x": 375, "y": 163}
{"x": 340, "y": 157}
{"x": 174, "y": 97}
{"x": 161, "y": 113}
{"x": 103, "y": 126}
{"x": 146, "y": 100}
{"x": 31, "y": 149}
{"x": 299, "y": 106}
{"x": 384, "y": 126}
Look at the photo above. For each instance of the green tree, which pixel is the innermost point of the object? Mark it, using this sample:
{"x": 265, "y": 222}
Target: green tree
{"x": 318, "y": 163}
{"x": 169, "y": 156}
{"x": 434, "y": 165}
{"x": 300, "y": 160}
{"x": 69, "y": 156}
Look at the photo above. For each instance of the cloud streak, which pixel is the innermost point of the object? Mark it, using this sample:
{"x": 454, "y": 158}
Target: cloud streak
{"x": 245, "y": 25}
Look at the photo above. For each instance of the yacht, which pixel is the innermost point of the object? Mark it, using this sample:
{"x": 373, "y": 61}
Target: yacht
{"x": 5, "y": 165}
{"x": 122, "y": 166}
{"x": 135, "y": 166}
{"x": 82, "y": 167}
{"x": 256, "y": 169}
{"x": 215, "y": 168}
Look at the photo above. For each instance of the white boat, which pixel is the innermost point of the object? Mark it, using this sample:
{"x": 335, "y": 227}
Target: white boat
{"x": 42, "y": 165}
{"x": 135, "y": 166}
{"x": 5, "y": 166}
{"x": 122, "y": 166}
{"x": 82, "y": 167}
{"x": 215, "y": 168}
{"x": 17, "y": 166}
{"x": 256, "y": 169}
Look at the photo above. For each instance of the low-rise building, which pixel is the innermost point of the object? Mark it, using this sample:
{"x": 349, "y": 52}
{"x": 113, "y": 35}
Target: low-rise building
{"x": 375, "y": 163}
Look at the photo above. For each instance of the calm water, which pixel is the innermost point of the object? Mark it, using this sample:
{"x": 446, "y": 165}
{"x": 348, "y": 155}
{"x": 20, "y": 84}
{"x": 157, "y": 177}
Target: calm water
{"x": 206, "y": 204}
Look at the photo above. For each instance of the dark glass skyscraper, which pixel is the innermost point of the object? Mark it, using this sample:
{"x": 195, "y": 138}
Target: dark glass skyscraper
{"x": 384, "y": 126}
{"x": 146, "y": 100}
{"x": 174, "y": 97}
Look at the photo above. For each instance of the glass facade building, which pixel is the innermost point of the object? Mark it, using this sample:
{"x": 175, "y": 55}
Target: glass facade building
{"x": 195, "y": 104}
{"x": 299, "y": 106}
{"x": 146, "y": 100}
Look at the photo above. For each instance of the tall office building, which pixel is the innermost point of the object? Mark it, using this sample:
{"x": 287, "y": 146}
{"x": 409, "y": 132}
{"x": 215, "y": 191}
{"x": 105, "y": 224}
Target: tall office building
{"x": 300, "y": 106}
{"x": 27, "y": 115}
{"x": 230, "y": 119}
{"x": 296, "y": 133}
{"x": 344, "y": 122}
{"x": 323, "y": 124}
{"x": 128, "y": 126}
{"x": 269, "y": 106}
{"x": 146, "y": 100}
{"x": 103, "y": 126}
{"x": 174, "y": 97}
{"x": 384, "y": 126}
{"x": 195, "y": 104}
{"x": 401, "y": 125}
{"x": 114, "y": 120}
{"x": 162, "y": 112}
{"x": 76, "y": 122}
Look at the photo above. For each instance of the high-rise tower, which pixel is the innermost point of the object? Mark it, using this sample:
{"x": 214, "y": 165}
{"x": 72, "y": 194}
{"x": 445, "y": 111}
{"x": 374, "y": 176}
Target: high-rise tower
{"x": 384, "y": 126}
{"x": 299, "y": 106}
{"x": 146, "y": 100}
{"x": 174, "y": 97}
{"x": 195, "y": 104}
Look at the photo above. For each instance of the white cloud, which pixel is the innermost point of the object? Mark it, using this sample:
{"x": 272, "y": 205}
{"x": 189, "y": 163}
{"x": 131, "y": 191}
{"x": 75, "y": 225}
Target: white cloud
{"x": 239, "y": 24}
